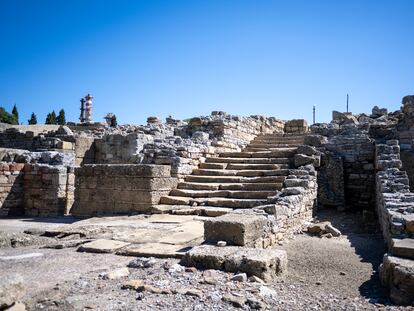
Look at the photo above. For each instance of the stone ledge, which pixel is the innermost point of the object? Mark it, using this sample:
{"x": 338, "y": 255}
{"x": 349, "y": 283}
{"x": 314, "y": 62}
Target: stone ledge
{"x": 235, "y": 229}
{"x": 136, "y": 170}
{"x": 263, "y": 263}
{"x": 398, "y": 275}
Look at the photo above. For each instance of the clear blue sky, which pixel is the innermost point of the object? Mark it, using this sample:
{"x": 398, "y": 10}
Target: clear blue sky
{"x": 187, "y": 58}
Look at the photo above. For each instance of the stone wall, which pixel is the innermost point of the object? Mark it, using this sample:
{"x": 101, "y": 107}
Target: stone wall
{"x": 85, "y": 150}
{"x": 297, "y": 126}
{"x": 206, "y": 137}
{"x": 11, "y": 189}
{"x": 356, "y": 149}
{"x": 45, "y": 190}
{"x": 395, "y": 209}
{"x": 110, "y": 189}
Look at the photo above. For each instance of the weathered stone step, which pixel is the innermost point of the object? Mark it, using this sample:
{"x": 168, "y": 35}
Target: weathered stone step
{"x": 272, "y": 145}
{"x": 230, "y": 186}
{"x": 207, "y": 211}
{"x": 255, "y": 166}
{"x": 221, "y": 202}
{"x": 257, "y": 149}
{"x": 247, "y": 173}
{"x": 235, "y": 194}
{"x": 249, "y": 160}
{"x": 279, "y": 138}
{"x": 281, "y": 152}
{"x": 403, "y": 248}
{"x": 235, "y": 179}
{"x": 213, "y": 165}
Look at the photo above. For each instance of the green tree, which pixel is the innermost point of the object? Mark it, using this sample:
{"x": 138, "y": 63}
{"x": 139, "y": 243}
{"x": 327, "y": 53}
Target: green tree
{"x": 33, "y": 119}
{"x": 53, "y": 117}
{"x": 114, "y": 122}
{"x": 6, "y": 117}
{"x": 61, "y": 119}
{"x": 15, "y": 114}
{"x": 48, "y": 119}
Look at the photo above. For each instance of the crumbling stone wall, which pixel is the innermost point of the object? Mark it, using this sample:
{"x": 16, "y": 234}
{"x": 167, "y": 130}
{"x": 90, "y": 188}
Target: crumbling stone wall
{"x": 395, "y": 209}
{"x": 206, "y": 137}
{"x": 110, "y": 189}
{"x": 296, "y": 126}
{"x": 350, "y": 149}
{"x": 85, "y": 150}
{"x": 45, "y": 190}
{"x": 11, "y": 189}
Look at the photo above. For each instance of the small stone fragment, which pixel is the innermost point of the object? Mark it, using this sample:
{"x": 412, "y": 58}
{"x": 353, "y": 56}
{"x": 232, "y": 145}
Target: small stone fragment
{"x": 241, "y": 277}
{"x": 142, "y": 262}
{"x": 194, "y": 292}
{"x": 255, "y": 304}
{"x": 132, "y": 284}
{"x": 221, "y": 243}
{"x": 256, "y": 279}
{"x": 238, "y": 302}
{"x": 332, "y": 230}
{"x": 116, "y": 274}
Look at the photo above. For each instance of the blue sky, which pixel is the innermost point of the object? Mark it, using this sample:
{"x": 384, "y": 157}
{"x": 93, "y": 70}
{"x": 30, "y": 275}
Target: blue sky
{"x": 187, "y": 58}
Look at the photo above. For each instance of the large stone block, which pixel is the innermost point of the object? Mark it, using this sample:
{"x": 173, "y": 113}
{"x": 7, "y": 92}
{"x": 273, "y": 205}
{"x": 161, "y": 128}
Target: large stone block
{"x": 235, "y": 229}
{"x": 263, "y": 263}
{"x": 398, "y": 275}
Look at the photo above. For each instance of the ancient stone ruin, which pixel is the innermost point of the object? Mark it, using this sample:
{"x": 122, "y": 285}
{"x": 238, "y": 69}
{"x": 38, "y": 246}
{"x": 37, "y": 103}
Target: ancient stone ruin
{"x": 220, "y": 192}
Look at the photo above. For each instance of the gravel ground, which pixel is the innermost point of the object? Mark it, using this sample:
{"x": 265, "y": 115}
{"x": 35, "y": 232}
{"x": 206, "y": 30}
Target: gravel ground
{"x": 323, "y": 274}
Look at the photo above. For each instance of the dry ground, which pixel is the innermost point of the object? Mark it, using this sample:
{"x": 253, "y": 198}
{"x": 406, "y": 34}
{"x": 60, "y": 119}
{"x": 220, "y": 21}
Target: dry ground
{"x": 324, "y": 274}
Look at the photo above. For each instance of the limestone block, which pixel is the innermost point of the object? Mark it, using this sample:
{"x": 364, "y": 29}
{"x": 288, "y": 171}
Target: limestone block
{"x": 263, "y": 263}
{"x": 235, "y": 229}
{"x": 102, "y": 246}
{"x": 403, "y": 248}
{"x": 398, "y": 275}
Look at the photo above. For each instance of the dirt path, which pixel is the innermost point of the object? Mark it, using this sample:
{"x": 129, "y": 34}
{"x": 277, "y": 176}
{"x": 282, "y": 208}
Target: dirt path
{"x": 324, "y": 274}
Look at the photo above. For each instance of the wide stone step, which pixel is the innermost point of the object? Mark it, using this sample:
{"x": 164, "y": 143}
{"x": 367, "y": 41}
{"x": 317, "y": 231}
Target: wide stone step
{"x": 277, "y": 140}
{"x": 213, "y": 165}
{"x": 247, "y": 173}
{"x": 206, "y": 211}
{"x": 257, "y": 149}
{"x": 221, "y": 202}
{"x": 255, "y": 166}
{"x": 273, "y": 145}
{"x": 235, "y": 194}
{"x": 230, "y": 186}
{"x": 403, "y": 248}
{"x": 235, "y": 179}
{"x": 280, "y": 152}
{"x": 249, "y": 160}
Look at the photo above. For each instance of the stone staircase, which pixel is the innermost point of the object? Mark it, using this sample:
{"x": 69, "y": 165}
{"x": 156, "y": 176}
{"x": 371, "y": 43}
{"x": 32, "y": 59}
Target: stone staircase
{"x": 235, "y": 180}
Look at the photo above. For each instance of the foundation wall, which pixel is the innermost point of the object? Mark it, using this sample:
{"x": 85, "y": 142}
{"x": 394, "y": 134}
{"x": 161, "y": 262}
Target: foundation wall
{"x": 111, "y": 189}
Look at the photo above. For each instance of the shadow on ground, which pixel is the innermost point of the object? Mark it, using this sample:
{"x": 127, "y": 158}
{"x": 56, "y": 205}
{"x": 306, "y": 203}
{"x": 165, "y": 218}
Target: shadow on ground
{"x": 364, "y": 234}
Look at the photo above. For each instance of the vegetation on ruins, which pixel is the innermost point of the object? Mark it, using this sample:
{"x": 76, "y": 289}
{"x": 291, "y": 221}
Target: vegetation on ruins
{"x": 6, "y": 117}
{"x": 33, "y": 119}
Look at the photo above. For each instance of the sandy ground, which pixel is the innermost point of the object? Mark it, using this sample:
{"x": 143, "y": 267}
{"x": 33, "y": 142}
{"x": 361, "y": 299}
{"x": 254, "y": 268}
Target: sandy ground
{"x": 323, "y": 274}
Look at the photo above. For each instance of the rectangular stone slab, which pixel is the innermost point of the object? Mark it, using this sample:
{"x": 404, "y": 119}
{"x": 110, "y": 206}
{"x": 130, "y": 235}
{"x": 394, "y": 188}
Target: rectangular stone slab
{"x": 235, "y": 229}
{"x": 263, "y": 263}
{"x": 102, "y": 246}
{"x": 158, "y": 250}
{"x": 403, "y": 248}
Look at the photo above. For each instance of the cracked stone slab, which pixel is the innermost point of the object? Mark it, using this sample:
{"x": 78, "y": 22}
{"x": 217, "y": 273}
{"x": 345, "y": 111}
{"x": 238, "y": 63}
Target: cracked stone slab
{"x": 102, "y": 246}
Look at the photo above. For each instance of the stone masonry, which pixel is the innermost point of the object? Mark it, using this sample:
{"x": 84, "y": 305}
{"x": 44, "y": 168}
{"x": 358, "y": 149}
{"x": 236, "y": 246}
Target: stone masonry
{"x": 110, "y": 189}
